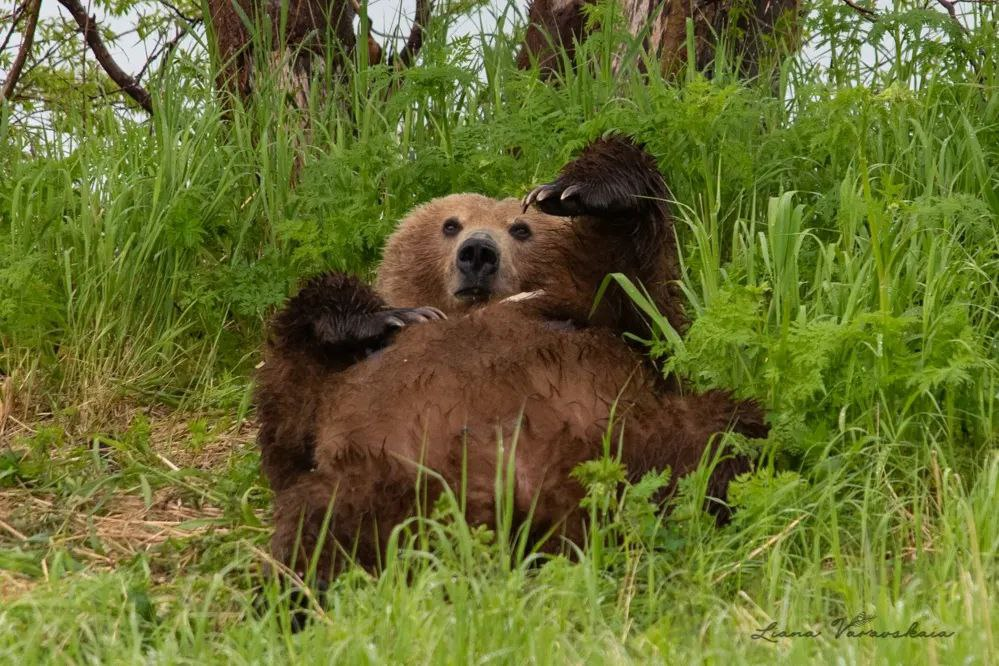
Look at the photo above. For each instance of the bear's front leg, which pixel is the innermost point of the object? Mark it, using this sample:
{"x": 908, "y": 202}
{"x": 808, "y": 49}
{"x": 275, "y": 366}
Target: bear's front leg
{"x": 618, "y": 200}
{"x": 337, "y": 318}
{"x": 335, "y": 321}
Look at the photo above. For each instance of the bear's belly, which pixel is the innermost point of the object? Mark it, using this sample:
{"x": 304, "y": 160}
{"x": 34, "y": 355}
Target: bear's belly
{"x": 458, "y": 388}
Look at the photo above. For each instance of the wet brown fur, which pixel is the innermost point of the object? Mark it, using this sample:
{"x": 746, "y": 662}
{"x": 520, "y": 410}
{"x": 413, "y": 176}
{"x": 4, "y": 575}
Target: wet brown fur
{"x": 351, "y": 408}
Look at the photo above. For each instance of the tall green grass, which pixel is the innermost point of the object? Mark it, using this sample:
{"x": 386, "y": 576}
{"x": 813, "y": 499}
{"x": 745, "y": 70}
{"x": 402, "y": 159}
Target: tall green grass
{"x": 839, "y": 225}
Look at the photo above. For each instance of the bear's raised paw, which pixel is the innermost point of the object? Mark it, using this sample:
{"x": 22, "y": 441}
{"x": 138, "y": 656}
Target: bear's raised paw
{"x": 614, "y": 177}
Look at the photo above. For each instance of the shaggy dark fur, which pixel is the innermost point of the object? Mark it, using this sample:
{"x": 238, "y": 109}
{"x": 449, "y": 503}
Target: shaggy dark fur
{"x": 352, "y": 399}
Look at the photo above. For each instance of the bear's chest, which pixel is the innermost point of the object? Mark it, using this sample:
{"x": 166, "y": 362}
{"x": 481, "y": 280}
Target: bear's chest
{"x": 472, "y": 378}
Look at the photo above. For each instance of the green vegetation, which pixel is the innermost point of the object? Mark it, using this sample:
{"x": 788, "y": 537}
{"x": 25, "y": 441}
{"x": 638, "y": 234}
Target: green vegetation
{"x": 840, "y": 233}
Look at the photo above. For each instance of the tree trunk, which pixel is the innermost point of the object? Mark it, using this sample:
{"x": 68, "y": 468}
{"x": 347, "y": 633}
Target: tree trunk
{"x": 556, "y": 26}
{"x": 300, "y": 34}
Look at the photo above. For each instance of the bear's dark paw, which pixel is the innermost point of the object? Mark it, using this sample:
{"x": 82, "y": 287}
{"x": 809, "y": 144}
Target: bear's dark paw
{"x": 612, "y": 177}
{"x": 560, "y": 199}
{"x": 567, "y": 197}
{"x": 380, "y": 325}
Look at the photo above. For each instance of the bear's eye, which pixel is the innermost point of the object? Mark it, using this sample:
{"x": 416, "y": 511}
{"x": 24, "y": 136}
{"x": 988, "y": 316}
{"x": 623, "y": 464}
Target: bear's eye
{"x": 520, "y": 231}
{"x": 451, "y": 226}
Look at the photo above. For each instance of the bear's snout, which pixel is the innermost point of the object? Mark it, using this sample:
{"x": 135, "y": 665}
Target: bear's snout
{"x": 477, "y": 261}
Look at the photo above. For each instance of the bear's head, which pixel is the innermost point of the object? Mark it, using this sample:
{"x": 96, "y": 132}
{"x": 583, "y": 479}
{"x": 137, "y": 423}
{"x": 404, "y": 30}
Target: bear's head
{"x": 464, "y": 250}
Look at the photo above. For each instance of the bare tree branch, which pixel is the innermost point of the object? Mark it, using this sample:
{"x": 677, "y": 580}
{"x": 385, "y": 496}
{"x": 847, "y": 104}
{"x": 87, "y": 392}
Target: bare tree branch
{"x": 407, "y": 55}
{"x": 88, "y": 26}
{"x": 165, "y": 48}
{"x": 868, "y": 14}
{"x": 176, "y": 10}
{"x": 22, "y": 53}
{"x": 14, "y": 17}
{"x": 951, "y": 7}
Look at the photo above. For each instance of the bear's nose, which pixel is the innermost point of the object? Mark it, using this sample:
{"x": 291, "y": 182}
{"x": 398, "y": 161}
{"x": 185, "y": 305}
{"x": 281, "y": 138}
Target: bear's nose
{"x": 478, "y": 256}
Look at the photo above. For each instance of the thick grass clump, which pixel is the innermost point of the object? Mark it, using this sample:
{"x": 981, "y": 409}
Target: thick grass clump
{"x": 840, "y": 232}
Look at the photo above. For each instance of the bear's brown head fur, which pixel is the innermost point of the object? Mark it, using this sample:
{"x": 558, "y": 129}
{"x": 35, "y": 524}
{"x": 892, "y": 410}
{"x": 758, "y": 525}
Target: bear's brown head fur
{"x": 606, "y": 213}
{"x": 461, "y": 251}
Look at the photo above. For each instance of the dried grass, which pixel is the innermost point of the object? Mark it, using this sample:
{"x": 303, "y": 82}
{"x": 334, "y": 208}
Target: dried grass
{"x": 116, "y": 524}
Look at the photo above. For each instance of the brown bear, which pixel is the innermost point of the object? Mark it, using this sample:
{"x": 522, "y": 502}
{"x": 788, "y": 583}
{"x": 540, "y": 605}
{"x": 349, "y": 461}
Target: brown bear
{"x": 355, "y": 403}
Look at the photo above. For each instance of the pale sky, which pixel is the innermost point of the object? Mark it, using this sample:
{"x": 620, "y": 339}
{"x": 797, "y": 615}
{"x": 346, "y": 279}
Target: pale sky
{"x": 131, "y": 52}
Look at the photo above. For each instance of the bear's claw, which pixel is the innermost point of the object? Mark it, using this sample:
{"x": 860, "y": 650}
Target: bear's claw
{"x": 571, "y": 191}
{"x": 558, "y": 198}
{"x": 402, "y": 317}
{"x": 378, "y": 326}
{"x": 612, "y": 178}
{"x": 554, "y": 199}
{"x": 531, "y": 196}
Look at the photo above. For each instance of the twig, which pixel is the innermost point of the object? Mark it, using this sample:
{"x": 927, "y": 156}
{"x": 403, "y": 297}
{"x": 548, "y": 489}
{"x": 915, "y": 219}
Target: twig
{"x": 21, "y": 424}
{"x": 295, "y": 579}
{"x": 166, "y": 461}
{"x": 14, "y": 18}
{"x": 407, "y": 55}
{"x": 6, "y": 405}
{"x": 22, "y": 53}
{"x": 951, "y": 7}
{"x": 46, "y": 56}
{"x": 176, "y": 10}
{"x": 165, "y": 49}
{"x": 88, "y": 25}
{"x": 757, "y": 551}
{"x": 869, "y": 14}
{"x": 12, "y": 531}
{"x": 15, "y": 15}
